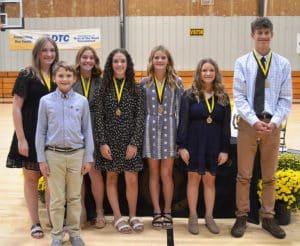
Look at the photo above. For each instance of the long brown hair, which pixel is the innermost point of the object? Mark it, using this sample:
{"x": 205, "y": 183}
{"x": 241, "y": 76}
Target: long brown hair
{"x": 197, "y": 88}
{"x": 171, "y": 75}
{"x": 96, "y": 70}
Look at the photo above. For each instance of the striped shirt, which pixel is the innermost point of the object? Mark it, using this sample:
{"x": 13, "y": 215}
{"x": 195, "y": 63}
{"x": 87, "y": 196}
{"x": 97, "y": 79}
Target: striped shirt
{"x": 64, "y": 121}
{"x": 278, "y": 93}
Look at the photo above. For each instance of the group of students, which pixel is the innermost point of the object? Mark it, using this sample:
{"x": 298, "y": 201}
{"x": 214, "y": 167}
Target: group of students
{"x": 62, "y": 136}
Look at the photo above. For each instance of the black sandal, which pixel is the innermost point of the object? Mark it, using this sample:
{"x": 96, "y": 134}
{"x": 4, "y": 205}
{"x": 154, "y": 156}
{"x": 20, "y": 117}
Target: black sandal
{"x": 37, "y": 231}
{"x": 157, "y": 221}
{"x": 167, "y": 220}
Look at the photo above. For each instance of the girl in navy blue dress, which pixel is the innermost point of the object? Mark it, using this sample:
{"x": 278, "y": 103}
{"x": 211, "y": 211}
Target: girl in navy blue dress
{"x": 204, "y": 138}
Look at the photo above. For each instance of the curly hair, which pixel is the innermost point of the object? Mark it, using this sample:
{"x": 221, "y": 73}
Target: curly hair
{"x": 96, "y": 70}
{"x": 108, "y": 73}
{"x": 197, "y": 88}
{"x": 171, "y": 75}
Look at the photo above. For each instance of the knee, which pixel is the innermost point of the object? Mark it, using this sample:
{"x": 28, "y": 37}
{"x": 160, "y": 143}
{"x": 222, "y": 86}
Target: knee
{"x": 131, "y": 181}
{"x": 112, "y": 180}
{"x": 268, "y": 181}
{"x": 243, "y": 179}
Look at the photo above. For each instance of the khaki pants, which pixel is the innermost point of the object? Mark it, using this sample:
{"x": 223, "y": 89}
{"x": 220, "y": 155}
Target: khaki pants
{"x": 247, "y": 143}
{"x": 64, "y": 182}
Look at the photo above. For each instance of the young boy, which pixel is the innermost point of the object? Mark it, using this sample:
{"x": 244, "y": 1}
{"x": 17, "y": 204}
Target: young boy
{"x": 64, "y": 144}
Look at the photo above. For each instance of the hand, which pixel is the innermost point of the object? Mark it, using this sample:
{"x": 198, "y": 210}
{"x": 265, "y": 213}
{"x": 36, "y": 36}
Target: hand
{"x": 86, "y": 167}
{"x": 105, "y": 152}
{"x": 222, "y": 158}
{"x": 44, "y": 168}
{"x": 131, "y": 152}
{"x": 271, "y": 126}
{"x": 261, "y": 127}
{"x": 185, "y": 155}
{"x": 23, "y": 147}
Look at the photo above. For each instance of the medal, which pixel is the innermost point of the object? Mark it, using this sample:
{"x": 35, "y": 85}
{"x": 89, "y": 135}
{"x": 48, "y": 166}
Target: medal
{"x": 118, "y": 112}
{"x": 210, "y": 108}
{"x": 209, "y": 119}
{"x": 160, "y": 109}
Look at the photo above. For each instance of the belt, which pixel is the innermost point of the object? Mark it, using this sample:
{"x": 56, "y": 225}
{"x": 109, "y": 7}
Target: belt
{"x": 264, "y": 116}
{"x": 61, "y": 149}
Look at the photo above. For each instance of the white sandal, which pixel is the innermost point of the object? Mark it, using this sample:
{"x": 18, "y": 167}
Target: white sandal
{"x": 136, "y": 224}
{"x": 122, "y": 226}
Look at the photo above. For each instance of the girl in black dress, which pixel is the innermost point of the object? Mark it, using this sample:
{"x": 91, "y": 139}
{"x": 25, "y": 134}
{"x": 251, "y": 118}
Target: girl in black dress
{"x": 119, "y": 131}
{"x": 31, "y": 84}
{"x": 204, "y": 138}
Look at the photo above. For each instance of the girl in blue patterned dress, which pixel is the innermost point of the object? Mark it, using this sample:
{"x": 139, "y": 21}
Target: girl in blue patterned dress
{"x": 204, "y": 138}
{"x": 163, "y": 91}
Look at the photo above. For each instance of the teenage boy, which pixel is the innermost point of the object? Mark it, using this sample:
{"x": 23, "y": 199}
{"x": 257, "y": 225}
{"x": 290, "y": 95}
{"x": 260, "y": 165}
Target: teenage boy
{"x": 64, "y": 144}
{"x": 262, "y": 92}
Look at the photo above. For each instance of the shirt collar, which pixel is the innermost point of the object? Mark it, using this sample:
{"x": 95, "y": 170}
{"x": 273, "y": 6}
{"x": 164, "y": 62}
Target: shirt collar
{"x": 64, "y": 96}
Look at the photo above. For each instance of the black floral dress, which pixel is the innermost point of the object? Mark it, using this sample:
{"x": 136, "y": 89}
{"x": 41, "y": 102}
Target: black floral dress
{"x": 29, "y": 87}
{"x": 119, "y": 131}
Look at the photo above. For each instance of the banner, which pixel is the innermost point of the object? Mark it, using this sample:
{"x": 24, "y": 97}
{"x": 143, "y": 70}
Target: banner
{"x": 65, "y": 39}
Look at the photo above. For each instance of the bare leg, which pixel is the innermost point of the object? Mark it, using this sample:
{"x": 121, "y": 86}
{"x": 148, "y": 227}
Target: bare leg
{"x": 209, "y": 193}
{"x": 166, "y": 173}
{"x": 112, "y": 193}
{"x": 97, "y": 190}
{"x": 154, "y": 186}
{"x": 192, "y": 192}
{"x": 131, "y": 179}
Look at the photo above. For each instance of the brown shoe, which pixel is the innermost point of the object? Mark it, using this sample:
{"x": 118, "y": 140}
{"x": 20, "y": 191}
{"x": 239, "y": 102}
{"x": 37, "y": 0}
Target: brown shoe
{"x": 193, "y": 225}
{"x": 211, "y": 225}
{"x": 239, "y": 226}
{"x": 270, "y": 225}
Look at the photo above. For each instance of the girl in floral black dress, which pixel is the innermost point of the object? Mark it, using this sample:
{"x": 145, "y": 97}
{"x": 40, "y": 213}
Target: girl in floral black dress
{"x": 119, "y": 130}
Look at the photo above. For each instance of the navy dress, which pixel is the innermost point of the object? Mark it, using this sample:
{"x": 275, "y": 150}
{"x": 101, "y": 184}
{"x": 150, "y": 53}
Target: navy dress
{"x": 203, "y": 141}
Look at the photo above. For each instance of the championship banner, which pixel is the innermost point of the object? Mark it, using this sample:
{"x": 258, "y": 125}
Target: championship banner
{"x": 65, "y": 39}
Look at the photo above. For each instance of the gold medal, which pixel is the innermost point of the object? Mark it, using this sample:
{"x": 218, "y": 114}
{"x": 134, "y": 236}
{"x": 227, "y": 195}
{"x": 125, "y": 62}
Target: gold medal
{"x": 209, "y": 120}
{"x": 160, "y": 109}
{"x": 118, "y": 112}
{"x": 267, "y": 84}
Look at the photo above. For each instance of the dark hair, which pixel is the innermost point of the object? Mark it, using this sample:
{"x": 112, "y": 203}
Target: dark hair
{"x": 261, "y": 22}
{"x": 96, "y": 70}
{"x": 197, "y": 88}
{"x": 108, "y": 72}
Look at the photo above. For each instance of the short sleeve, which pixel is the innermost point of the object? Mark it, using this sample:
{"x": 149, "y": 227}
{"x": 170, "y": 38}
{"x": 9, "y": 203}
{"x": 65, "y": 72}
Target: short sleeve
{"x": 22, "y": 83}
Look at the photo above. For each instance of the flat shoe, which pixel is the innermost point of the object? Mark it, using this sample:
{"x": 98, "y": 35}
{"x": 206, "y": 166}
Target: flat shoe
{"x": 211, "y": 225}
{"x": 193, "y": 225}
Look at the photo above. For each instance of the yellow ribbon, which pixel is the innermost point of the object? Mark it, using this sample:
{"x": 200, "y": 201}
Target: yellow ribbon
{"x": 160, "y": 89}
{"x": 210, "y": 108}
{"x": 264, "y": 69}
{"x": 119, "y": 92}
{"x": 47, "y": 80}
{"x": 85, "y": 87}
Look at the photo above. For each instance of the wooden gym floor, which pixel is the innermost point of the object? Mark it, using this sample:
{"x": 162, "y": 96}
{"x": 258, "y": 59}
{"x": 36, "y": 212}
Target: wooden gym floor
{"x": 15, "y": 222}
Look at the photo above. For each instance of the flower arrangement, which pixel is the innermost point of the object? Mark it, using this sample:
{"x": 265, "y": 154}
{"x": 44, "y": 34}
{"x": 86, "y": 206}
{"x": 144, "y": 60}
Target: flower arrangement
{"x": 287, "y": 187}
{"x": 289, "y": 161}
{"x": 41, "y": 189}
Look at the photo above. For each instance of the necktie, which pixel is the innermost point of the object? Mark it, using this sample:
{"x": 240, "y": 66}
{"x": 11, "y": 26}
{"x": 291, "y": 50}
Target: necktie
{"x": 259, "y": 95}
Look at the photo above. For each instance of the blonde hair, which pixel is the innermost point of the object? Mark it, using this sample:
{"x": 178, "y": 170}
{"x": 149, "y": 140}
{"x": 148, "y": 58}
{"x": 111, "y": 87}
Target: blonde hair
{"x": 171, "y": 75}
{"x": 197, "y": 88}
{"x": 65, "y": 65}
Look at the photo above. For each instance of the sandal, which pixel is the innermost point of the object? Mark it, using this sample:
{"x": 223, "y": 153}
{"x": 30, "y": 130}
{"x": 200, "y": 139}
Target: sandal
{"x": 136, "y": 224}
{"x": 100, "y": 223}
{"x": 122, "y": 226}
{"x": 157, "y": 221}
{"x": 167, "y": 220}
{"x": 37, "y": 231}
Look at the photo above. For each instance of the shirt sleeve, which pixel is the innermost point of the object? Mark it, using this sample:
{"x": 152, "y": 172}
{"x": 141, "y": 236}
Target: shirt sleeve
{"x": 240, "y": 95}
{"x": 41, "y": 131}
{"x": 182, "y": 131}
{"x": 22, "y": 83}
{"x": 87, "y": 133}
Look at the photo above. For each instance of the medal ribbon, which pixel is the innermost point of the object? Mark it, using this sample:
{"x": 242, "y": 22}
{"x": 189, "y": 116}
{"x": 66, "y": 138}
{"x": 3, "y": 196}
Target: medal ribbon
{"x": 160, "y": 89}
{"x": 46, "y": 81}
{"x": 119, "y": 92}
{"x": 85, "y": 87}
{"x": 264, "y": 69}
{"x": 210, "y": 108}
